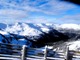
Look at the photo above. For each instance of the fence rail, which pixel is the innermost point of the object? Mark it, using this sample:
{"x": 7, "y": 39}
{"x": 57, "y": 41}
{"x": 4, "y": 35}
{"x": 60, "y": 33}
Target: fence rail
{"x": 25, "y": 53}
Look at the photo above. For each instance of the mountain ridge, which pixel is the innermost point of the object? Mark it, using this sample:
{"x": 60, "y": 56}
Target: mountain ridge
{"x": 39, "y": 35}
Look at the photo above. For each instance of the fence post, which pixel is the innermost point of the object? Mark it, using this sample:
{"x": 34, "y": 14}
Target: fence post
{"x": 45, "y": 53}
{"x": 67, "y": 53}
{"x": 23, "y": 57}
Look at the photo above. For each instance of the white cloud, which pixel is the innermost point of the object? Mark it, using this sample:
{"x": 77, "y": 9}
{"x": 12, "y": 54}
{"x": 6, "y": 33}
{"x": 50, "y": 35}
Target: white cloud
{"x": 20, "y": 10}
{"x": 52, "y": 7}
{"x": 55, "y": 7}
{"x": 15, "y": 14}
{"x": 41, "y": 19}
{"x": 70, "y": 18}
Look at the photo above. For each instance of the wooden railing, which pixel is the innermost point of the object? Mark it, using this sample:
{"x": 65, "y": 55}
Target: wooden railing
{"x": 8, "y": 51}
{"x": 25, "y": 53}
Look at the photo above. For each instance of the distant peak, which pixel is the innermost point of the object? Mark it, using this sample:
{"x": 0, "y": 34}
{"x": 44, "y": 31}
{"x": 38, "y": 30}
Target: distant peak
{"x": 3, "y": 26}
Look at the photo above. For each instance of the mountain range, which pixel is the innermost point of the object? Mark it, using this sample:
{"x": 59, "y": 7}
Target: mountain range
{"x": 39, "y": 35}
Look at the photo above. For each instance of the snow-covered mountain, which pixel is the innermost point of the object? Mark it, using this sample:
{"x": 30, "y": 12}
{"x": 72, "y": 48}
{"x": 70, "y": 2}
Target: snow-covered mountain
{"x": 69, "y": 26}
{"x": 38, "y": 34}
{"x": 3, "y": 26}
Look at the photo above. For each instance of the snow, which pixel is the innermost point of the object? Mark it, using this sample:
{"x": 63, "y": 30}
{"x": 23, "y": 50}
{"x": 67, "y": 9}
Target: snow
{"x": 3, "y": 32}
{"x": 30, "y": 29}
{"x": 41, "y": 25}
{"x": 45, "y": 29}
{"x": 22, "y": 29}
{"x": 70, "y": 26}
{"x": 9, "y": 58}
{"x": 75, "y": 45}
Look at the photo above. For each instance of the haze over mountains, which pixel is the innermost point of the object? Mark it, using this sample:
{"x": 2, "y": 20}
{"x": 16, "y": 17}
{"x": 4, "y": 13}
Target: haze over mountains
{"x": 38, "y": 35}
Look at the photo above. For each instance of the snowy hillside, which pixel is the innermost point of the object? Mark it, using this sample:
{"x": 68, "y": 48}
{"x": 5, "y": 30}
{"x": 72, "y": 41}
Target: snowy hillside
{"x": 38, "y": 34}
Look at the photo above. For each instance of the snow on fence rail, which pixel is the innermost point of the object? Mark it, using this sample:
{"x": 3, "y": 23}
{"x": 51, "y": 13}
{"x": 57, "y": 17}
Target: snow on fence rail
{"x": 25, "y": 53}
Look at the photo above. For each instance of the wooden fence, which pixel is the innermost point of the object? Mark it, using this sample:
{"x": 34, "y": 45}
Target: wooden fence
{"x": 24, "y": 53}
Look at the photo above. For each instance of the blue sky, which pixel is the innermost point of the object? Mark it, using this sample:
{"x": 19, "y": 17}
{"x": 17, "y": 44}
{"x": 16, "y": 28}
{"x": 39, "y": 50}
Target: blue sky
{"x": 39, "y": 11}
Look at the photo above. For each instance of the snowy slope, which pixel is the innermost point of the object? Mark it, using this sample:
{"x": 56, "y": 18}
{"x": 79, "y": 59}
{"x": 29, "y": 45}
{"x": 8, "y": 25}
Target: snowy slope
{"x": 75, "y": 45}
{"x": 5, "y": 37}
{"x": 73, "y": 31}
{"x": 14, "y": 32}
{"x": 37, "y": 32}
{"x": 69, "y": 26}
{"x": 22, "y": 29}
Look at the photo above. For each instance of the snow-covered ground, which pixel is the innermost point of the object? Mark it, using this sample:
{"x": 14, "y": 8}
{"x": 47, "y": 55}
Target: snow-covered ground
{"x": 75, "y": 45}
